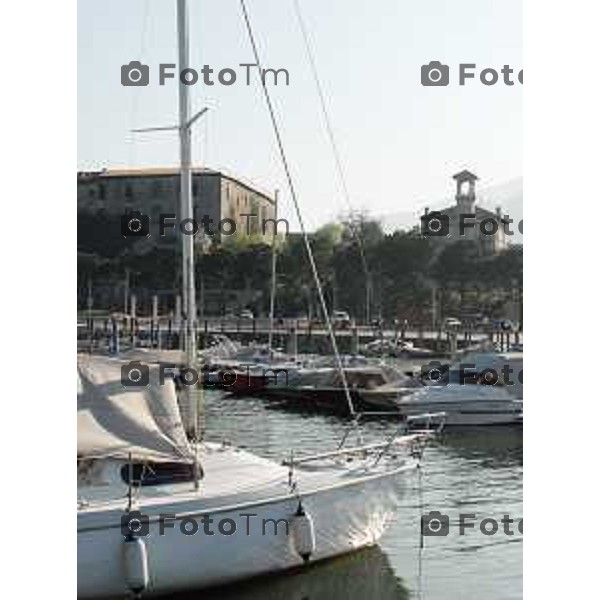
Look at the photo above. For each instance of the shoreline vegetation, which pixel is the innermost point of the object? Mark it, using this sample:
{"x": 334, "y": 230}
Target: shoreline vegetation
{"x": 409, "y": 276}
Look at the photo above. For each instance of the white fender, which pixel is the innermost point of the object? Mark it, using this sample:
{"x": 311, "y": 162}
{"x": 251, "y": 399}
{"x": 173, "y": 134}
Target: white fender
{"x": 135, "y": 562}
{"x": 303, "y": 533}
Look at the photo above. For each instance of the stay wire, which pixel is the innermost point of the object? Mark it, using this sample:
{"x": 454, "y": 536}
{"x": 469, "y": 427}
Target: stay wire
{"x": 355, "y": 231}
{"x": 293, "y": 194}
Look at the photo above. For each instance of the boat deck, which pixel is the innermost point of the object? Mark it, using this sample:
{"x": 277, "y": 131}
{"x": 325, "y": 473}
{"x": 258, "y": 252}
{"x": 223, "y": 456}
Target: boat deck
{"x": 232, "y": 477}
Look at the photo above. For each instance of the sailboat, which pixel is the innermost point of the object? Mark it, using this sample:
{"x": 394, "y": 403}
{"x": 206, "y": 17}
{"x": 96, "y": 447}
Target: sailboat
{"x": 161, "y": 509}
{"x": 143, "y": 526}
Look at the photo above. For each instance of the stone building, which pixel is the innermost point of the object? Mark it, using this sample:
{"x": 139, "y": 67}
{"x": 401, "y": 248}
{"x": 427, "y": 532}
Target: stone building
{"x": 466, "y": 221}
{"x": 155, "y": 191}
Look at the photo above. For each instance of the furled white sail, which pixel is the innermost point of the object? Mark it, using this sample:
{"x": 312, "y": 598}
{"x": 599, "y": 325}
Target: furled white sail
{"x": 114, "y": 420}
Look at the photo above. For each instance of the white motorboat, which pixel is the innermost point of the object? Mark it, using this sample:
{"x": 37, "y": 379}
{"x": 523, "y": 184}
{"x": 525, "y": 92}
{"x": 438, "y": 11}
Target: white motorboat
{"x": 463, "y": 401}
{"x": 508, "y": 366}
{"x": 396, "y": 347}
{"x": 140, "y": 495}
{"x": 484, "y": 387}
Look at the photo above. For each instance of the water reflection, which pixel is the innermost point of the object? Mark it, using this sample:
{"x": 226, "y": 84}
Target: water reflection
{"x": 490, "y": 446}
{"x": 358, "y": 576}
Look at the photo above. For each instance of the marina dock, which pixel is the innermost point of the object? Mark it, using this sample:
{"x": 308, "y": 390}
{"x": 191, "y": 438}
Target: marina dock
{"x": 94, "y": 332}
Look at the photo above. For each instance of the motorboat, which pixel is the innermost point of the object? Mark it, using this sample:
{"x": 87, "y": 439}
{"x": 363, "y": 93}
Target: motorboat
{"x": 397, "y": 348}
{"x": 464, "y": 401}
{"x": 284, "y": 374}
{"x": 322, "y": 387}
{"x": 507, "y": 367}
{"x": 255, "y": 378}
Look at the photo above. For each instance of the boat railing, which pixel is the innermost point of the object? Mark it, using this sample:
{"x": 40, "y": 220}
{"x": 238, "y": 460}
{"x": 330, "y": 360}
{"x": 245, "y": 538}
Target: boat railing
{"x": 418, "y": 446}
{"x": 405, "y": 424}
{"x": 411, "y": 440}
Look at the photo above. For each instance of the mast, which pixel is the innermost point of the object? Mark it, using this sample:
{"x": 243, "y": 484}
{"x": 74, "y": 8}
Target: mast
{"x": 187, "y": 212}
{"x": 273, "y": 275}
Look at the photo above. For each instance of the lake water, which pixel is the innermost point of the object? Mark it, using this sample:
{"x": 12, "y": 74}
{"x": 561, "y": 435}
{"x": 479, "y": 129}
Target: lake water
{"x": 472, "y": 471}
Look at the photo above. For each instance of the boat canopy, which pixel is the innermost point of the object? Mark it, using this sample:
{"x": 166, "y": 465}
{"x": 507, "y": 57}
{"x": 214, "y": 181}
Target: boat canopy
{"x": 118, "y": 421}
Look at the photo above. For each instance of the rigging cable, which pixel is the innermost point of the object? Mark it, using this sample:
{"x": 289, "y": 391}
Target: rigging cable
{"x": 135, "y": 98}
{"x": 421, "y": 540}
{"x": 294, "y": 197}
{"x": 354, "y": 230}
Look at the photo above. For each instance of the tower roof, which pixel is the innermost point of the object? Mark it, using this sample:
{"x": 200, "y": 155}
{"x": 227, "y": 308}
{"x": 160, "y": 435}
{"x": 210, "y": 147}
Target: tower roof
{"x": 465, "y": 176}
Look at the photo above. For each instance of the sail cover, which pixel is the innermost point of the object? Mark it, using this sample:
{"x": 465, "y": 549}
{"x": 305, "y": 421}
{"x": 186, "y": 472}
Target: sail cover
{"x": 115, "y": 420}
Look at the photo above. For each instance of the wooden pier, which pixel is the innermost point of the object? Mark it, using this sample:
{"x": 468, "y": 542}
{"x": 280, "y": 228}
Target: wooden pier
{"x": 98, "y": 332}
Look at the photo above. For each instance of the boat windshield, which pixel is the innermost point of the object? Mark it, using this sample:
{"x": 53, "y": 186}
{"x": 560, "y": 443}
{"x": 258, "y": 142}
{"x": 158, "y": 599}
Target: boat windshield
{"x": 469, "y": 378}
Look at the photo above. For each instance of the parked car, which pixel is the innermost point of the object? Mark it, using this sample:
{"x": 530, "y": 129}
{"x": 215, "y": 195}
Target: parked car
{"x": 246, "y": 314}
{"x": 506, "y": 325}
{"x": 451, "y": 323}
{"x": 340, "y": 319}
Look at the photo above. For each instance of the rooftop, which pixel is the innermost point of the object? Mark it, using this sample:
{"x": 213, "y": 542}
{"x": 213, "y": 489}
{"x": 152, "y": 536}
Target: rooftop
{"x": 465, "y": 175}
{"x": 166, "y": 171}
{"x": 142, "y": 172}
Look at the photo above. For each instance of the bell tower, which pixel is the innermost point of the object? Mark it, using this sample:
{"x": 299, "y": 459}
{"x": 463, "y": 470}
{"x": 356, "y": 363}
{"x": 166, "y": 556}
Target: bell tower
{"x": 465, "y": 191}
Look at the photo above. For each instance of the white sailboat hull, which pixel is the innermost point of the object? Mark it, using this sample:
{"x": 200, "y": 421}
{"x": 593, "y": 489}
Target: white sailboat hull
{"x": 346, "y": 516}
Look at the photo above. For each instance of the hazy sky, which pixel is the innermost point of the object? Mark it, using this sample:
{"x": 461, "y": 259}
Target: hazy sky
{"x": 400, "y": 141}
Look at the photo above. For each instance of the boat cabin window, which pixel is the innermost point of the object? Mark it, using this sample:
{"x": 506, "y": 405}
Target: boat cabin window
{"x": 158, "y": 473}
